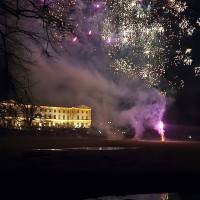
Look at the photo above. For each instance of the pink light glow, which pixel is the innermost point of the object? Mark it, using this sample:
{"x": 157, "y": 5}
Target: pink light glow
{"x": 90, "y": 32}
{"x": 160, "y": 125}
{"x": 161, "y": 131}
{"x": 75, "y": 39}
{"x": 109, "y": 40}
{"x": 97, "y": 5}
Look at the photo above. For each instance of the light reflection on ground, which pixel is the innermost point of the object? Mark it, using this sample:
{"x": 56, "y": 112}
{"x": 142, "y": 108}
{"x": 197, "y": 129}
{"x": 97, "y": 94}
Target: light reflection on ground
{"x": 89, "y": 149}
{"x": 165, "y": 196}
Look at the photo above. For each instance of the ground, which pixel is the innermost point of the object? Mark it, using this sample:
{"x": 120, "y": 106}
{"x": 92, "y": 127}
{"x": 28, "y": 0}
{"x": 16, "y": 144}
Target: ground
{"x": 46, "y": 163}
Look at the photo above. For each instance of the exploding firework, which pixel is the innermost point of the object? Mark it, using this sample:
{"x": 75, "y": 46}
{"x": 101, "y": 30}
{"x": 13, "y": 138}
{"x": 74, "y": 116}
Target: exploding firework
{"x": 142, "y": 38}
{"x": 145, "y": 38}
{"x": 62, "y": 24}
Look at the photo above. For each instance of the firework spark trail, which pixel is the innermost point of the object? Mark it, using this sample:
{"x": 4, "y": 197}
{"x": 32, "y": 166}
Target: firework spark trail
{"x": 142, "y": 38}
{"x": 147, "y": 38}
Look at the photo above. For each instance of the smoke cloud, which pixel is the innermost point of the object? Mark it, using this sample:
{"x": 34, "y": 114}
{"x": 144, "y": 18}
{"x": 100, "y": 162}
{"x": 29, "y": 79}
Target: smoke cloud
{"x": 120, "y": 102}
{"x": 79, "y": 76}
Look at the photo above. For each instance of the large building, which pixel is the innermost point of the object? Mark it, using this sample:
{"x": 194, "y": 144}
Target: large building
{"x": 46, "y": 116}
{"x": 74, "y": 117}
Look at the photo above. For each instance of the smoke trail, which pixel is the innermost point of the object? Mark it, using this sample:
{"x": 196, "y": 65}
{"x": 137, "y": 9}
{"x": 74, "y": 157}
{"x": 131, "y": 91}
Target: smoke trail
{"x": 120, "y": 102}
{"x": 148, "y": 110}
{"x": 80, "y": 76}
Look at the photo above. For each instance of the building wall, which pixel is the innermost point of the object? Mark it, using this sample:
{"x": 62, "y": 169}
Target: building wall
{"x": 49, "y": 116}
{"x": 63, "y": 117}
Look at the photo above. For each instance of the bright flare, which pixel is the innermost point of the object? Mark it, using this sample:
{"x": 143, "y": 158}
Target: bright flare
{"x": 161, "y": 130}
{"x": 74, "y": 39}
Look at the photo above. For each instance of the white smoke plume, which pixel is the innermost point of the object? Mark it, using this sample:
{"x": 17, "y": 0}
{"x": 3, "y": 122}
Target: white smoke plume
{"x": 120, "y": 102}
{"x": 79, "y": 77}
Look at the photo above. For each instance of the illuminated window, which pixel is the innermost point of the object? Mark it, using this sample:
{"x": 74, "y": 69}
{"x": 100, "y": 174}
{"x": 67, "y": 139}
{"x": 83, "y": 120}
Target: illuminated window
{"x": 197, "y": 71}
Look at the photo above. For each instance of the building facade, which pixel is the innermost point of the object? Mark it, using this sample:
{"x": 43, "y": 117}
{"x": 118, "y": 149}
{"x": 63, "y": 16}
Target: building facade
{"x": 64, "y": 117}
{"x": 16, "y": 115}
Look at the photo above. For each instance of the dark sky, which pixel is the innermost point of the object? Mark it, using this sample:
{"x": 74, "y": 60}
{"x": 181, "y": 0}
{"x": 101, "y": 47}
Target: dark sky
{"x": 186, "y": 109}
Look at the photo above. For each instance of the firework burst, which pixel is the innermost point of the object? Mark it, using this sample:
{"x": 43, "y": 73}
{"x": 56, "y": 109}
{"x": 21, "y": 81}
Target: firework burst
{"x": 146, "y": 38}
{"x": 143, "y": 38}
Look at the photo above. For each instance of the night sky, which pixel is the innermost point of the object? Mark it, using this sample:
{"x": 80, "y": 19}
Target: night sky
{"x": 186, "y": 106}
{"x": 186, "y": 109}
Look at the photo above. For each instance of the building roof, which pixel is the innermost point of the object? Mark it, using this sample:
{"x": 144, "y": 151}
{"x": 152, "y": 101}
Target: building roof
{"x": 48, "y": 106}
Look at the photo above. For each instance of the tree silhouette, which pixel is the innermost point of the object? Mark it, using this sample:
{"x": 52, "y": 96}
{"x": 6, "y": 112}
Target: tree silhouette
{"x": 23, "y": 22}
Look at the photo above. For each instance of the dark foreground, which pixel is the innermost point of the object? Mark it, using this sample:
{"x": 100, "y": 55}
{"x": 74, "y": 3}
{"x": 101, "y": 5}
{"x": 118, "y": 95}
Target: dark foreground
{"x": 31, "y": 165}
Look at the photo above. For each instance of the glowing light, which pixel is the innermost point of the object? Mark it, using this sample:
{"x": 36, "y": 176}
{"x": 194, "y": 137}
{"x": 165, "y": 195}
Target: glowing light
{"x": 97, "y": 5}
{"x": 90, "y": 32}
{"x": 160, "y": 128}
{"x": 165, "y": 196}
{"x": 198, "y": 22}
{"x": 188, "y": 61}
{"x": 161, "y": 125}
{"x": 75, "y": 39}
{"x": 109, "y": 40}
{"x": 188, "y": 51}
{"x": 197, "y": 71}
{"x": 71, "y": 117}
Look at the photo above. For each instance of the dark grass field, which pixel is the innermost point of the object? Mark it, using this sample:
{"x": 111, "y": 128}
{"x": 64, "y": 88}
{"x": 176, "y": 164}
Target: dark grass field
{"x": 138, "y": 167}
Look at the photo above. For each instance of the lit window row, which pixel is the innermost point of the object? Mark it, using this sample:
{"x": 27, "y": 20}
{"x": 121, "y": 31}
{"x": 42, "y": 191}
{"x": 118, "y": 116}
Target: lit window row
{"x": 62, "y": 111}
{"x": 64, "y": 117}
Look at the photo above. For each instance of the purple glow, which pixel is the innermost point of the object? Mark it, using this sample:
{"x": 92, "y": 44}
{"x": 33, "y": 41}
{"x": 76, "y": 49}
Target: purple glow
{"x": 161, "y": 131}
{"x": 90, "y": 32}
{"x": 75, "y": 39}
{"x": 109, "y": 40}
{"x": 97, "y": 5}
{"x": 160, "y": 125}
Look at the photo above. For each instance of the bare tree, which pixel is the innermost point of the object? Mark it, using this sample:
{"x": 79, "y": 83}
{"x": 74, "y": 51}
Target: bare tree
{"x": 26, "y": 104}
{"x": 9, "y": 114}
{"x": 29, "y": 113}
{"x": 16, "y": 20}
